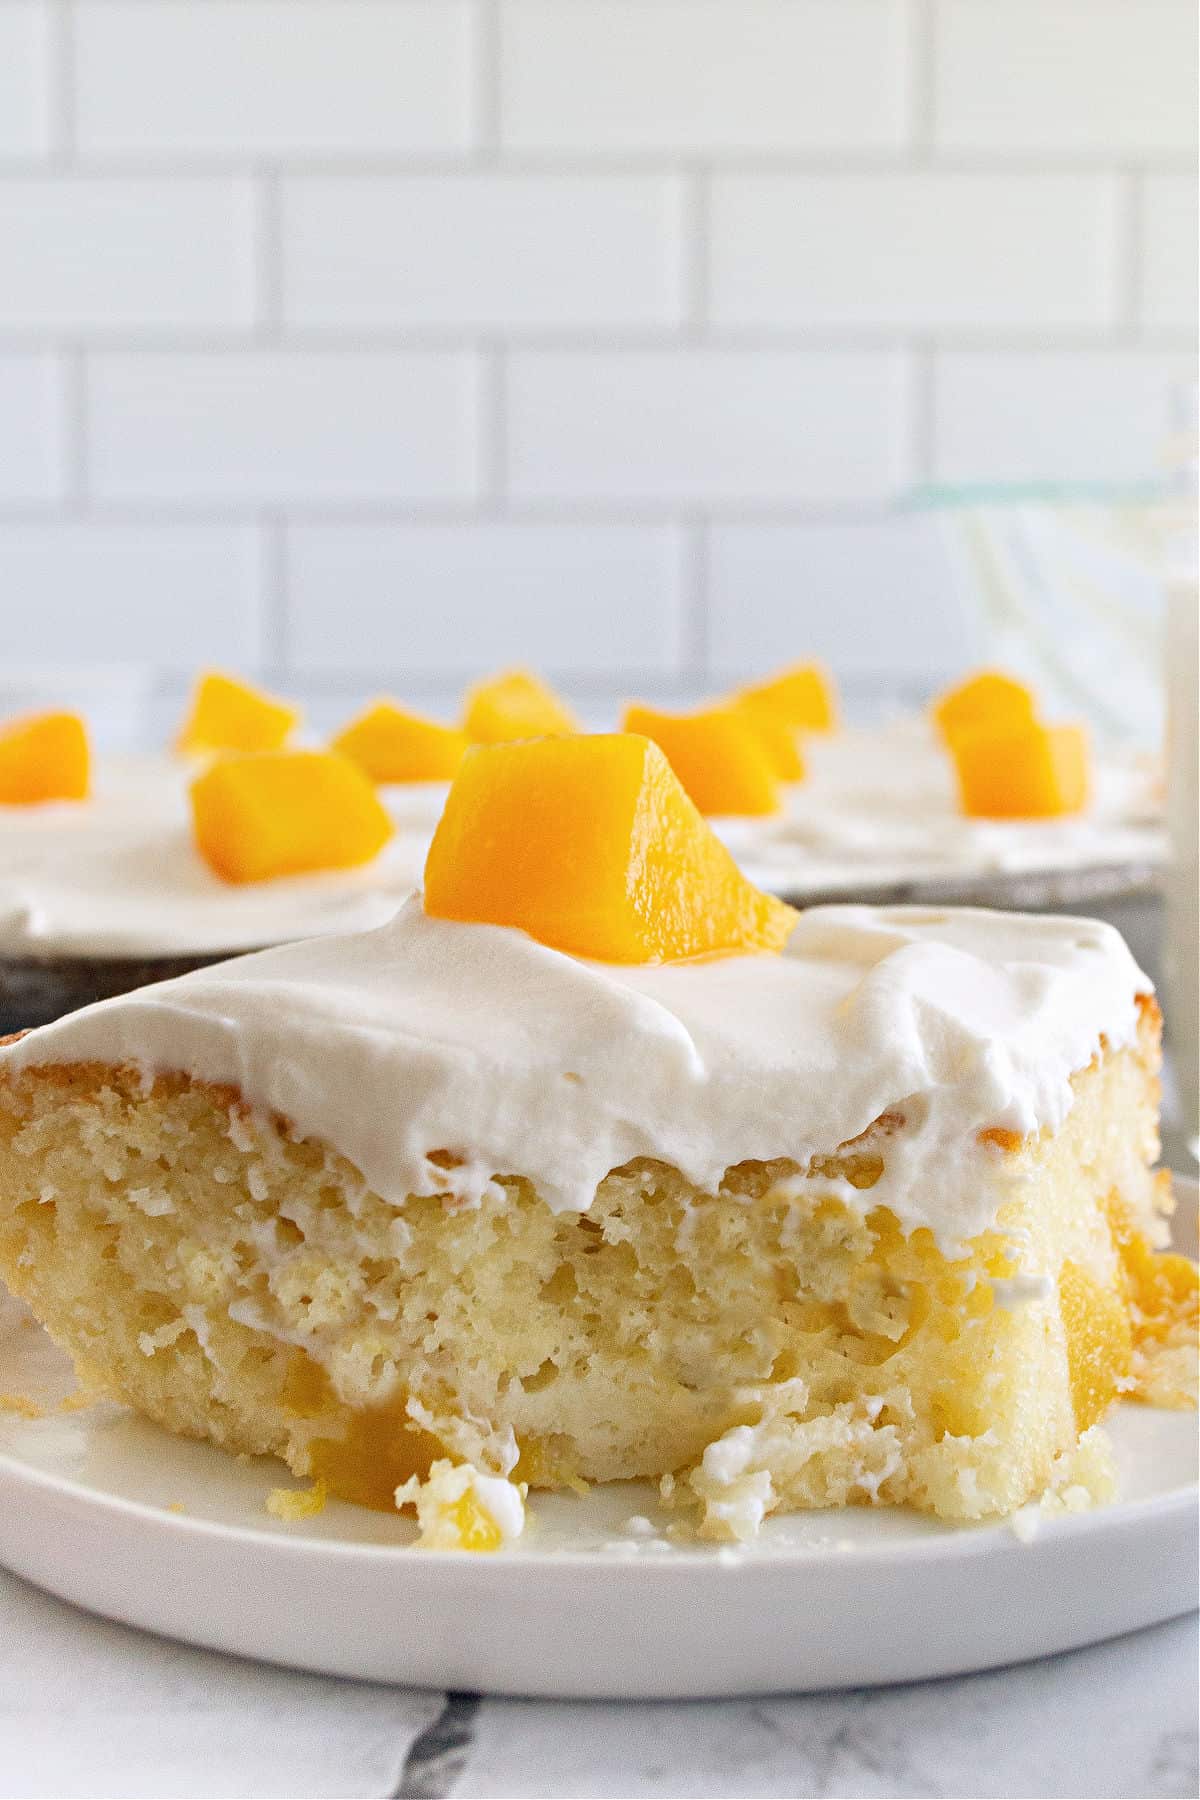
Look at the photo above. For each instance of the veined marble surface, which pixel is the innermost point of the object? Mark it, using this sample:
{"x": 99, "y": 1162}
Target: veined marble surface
{"x": 94, "y": 1709}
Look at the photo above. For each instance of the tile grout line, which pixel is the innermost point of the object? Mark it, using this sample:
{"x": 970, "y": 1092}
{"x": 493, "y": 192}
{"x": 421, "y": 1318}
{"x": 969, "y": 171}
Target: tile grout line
{"x": 62, "y": 97}
{"x": 656, "y": 514}
{"x": 695, "y": 554}
{"x": 323, "y": 684}
{"x": 922, "y": 428}
{"x": 486, "y": 83}
{"x": 922, "y": 84}
{"x": 75, "y": 429}
{"x": 273, "y": 613}
{"x": 651, "y": 514}
{"x": 156, "y": 165}
{"x": 694, "y": 214}
{"x": 491, "y": 427}
{"x": 1129, "y": 250}
{"x": 583, "y": 341}
{"x": 266, "y": 225}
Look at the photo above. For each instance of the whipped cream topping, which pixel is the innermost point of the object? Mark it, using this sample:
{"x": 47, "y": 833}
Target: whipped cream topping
{"x": 430, "y": 1035}
{"x": 117, "y": 875}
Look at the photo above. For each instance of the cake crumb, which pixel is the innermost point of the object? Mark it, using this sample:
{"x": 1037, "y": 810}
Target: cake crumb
{"x": 1025, "y": 1522}
{"x": 638, "y": 1526}
{"x": 458, "y": 1508}
{"x": 1083, "y": 1477}
{"x": 79, "y": 1401}
{"x": 297, "y": 1503}
{"x": 21, "y": 1405}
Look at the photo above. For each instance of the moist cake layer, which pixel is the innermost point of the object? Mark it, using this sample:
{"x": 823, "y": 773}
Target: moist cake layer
{"x": 761, "y": 1345}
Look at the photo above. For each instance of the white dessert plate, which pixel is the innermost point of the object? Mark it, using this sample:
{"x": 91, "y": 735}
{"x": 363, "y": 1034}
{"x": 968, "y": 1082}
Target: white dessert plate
{"x": 110, "y": 1512}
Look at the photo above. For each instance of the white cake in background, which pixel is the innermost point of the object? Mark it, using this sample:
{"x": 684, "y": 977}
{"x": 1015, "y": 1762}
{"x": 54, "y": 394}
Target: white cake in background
{"x": 118, "y": 875}
{"x": 878, "y": 808}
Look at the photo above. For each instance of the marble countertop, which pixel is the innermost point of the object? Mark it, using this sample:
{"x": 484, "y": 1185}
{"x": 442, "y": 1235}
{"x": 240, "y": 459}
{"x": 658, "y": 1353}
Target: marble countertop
{"x": 93, "y": 1709}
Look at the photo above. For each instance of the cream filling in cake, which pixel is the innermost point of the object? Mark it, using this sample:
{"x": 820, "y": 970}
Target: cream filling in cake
{"x": 865, "y": 1222}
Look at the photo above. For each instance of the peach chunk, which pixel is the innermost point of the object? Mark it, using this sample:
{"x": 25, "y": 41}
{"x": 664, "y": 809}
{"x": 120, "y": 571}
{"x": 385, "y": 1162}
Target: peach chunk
{"x": 990, "y": 698}
{"x": 476, "y": 1529}
{"x": 804, "y": 695}
{"x": 1163, "y": 1288}
{"x": 44, "y": 757}
{"x": 1022, "y": 771}
{"x": 721, "y": 759}
{"x": 591, "y": 845}
{"x": 1099, "y": 1342}
{"x": 514, "y": 705}
{"x": 261, "y": 814}
{"x": 226, "y": 714}
{"x": 389, "y": 744}
{"x": 779, "y": 739}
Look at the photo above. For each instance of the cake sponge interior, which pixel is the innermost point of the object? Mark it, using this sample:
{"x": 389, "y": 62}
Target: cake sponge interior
{"x": 776, "y": 1343}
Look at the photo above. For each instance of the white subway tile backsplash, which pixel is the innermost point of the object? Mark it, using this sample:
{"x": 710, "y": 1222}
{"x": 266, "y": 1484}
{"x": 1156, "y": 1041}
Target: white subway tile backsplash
{"x": 235, "y": 77}
{"x": 702, "y": 76}
{"x": 1169, "y": 252}
{"x": 505, "y": 251}
{"x": 268, "y": 427}
{"x": 453, "y": 599}
{"x": 1110, "y": 76}
{"x": 871, "y": 595}
{"x": 542, "y": 329}
{"x": 88, "y": 254}
{"x": 706, "y": 425}
{"x": 1077, "y": 416}
{"x": 922, "y": 251}
{"x": 32, "y": 450}
{"x": 169, "y": 596}
{"x": 25, "y": 78}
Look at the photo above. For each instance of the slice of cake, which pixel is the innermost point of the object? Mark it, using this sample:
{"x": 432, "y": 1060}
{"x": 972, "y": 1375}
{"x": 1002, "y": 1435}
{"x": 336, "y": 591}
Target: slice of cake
{"x": 569, "y": 1174}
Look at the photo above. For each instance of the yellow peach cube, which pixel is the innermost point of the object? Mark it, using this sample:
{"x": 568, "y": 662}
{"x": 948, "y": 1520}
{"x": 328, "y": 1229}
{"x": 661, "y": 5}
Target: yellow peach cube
{"x": 44, "y": 757}
{"x": 1019, "y": 771}
{"x": 391, "y": 745}
{"x": 514, "y": 705}
{"x": 1099, "y": 1342}
{"x": 989, "y": 699}
{"x": 779, "y": 738}
{"x": 226, "y": 714}
{"x": 474, "y": 1527}
{"x": 263, "y": 814}
{"x": 723, "y": 761}
{"x": 804, "y": 695}
{"x": 591, "y": 845}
